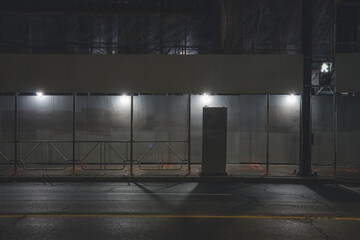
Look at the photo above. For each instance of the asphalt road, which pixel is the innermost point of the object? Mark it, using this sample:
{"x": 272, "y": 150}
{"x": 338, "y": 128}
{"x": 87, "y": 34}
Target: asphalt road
{"x": 178, "y": 211}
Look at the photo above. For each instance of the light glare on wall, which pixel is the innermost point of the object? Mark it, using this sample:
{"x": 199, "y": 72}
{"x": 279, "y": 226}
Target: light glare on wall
{"x": 125, "y": 99}
{"x": 39, "y": 93}
{"x": 291, "y": 99}
{"x": 205, "y": 98}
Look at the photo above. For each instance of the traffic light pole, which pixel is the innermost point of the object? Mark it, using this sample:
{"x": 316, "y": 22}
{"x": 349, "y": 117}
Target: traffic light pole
{"x": 305, "y": 111}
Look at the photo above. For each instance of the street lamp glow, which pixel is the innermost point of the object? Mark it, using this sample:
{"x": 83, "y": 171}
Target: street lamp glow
{"x": 39, "y": 93}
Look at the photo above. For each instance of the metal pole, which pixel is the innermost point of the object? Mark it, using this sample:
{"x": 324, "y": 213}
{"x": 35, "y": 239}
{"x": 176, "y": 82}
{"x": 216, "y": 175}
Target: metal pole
{"x": 104, "y": 155}
{"x": 131, "y": 133}
{"x": 307, "y": 28}
{"x": 300, "y": 134}
{"x": 334, "y": 92}
{"x": 189, "y": 136}
{"x": 16, "y": 134}
{"x": 101, "y": 155}
{"x": 185, "y": 42}
{"x": 74, "y": 134}
{"x": 335, "y": 130}
{"x": 267, "y": 133}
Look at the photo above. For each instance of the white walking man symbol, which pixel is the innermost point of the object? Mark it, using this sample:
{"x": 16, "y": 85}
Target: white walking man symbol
{"x": 325, "y": 68}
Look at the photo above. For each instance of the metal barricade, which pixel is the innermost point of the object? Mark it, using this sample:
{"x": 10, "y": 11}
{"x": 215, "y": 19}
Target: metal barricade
{"x": 103, "y": 155}
{"x": 57, "y": 155}
{"x": 44, "y": 154}
{"x": 161, "y": 155}
{"x": 6, "y": 153}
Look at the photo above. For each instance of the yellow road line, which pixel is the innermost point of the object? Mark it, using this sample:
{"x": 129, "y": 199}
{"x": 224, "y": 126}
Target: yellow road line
{"x": 177, "y": 216}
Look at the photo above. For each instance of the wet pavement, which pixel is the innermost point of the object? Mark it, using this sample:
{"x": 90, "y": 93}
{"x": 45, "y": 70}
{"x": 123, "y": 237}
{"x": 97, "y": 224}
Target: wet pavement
{"x": 113, "y": 210}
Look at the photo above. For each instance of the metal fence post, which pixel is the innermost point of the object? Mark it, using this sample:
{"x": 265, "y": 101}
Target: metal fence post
{"x": 267, "y": 133}
{"x": 335, "y": 131}
{"x": 74, "y": 134}
{"x": 189, "y": 136}
{"x": 131, "y": 133}
{"x": 16, "y": 134}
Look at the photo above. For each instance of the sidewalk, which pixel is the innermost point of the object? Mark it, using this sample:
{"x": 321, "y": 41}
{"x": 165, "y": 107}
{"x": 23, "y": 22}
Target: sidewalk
{"x": 236, "y": 172}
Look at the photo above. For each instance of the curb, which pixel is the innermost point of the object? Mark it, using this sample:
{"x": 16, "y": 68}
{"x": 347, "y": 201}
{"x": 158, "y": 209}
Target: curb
{"x": 220, "y": 179}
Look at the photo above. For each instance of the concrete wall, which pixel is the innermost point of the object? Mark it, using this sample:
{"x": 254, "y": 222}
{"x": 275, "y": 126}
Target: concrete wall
{"x": 151, "y": 73}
